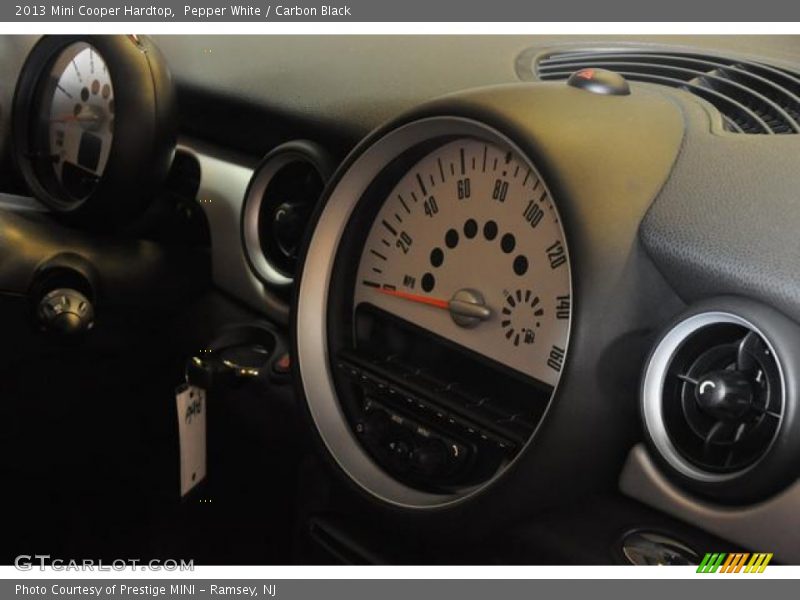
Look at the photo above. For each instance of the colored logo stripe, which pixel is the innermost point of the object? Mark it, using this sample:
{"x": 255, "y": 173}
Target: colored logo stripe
{"x": 733, "y": 563}
{"x": 758, "y": 563}
{"x": 711, "y": 562}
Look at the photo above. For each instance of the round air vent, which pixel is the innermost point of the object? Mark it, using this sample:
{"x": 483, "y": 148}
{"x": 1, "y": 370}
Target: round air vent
{"x": 723, "y": 398}
{"x": 718, "y": 400}
{"x": 281, "y": 196}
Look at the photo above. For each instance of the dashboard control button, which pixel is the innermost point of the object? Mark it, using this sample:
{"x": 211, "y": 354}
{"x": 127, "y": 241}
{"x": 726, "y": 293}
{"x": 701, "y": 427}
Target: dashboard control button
{"x": 400, "y": 452}
{"x": 430, "y": 457}
{"x": 600, "y": 81}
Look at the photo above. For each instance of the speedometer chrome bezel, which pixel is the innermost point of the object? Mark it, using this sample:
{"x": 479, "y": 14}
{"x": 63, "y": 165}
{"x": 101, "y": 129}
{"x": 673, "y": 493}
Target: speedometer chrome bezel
{"x": 311, "y": 329}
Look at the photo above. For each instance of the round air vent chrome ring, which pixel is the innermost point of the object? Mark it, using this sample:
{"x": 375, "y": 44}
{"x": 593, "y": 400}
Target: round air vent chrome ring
{"x": 281, "y": 196}
{"x": 654, "y": 381}
{"x": 718, "y": 400}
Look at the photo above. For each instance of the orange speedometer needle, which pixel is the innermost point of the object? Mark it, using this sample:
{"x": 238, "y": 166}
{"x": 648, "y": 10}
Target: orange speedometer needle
{"x": 467, "y": 306}
{"x": 437, "y": 302}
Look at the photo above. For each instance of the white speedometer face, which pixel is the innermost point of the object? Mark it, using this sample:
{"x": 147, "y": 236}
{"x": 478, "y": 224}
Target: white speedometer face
{"x": 469, "y": 246}
{"x": 81, "y": 118}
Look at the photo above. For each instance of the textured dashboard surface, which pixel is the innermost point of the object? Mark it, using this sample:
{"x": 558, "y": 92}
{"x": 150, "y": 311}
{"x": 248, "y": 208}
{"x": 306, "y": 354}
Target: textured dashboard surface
{"x": 726, "y": 220}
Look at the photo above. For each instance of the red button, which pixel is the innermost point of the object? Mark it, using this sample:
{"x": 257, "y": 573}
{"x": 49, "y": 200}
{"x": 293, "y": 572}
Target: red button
{"x": 283, "y": 365}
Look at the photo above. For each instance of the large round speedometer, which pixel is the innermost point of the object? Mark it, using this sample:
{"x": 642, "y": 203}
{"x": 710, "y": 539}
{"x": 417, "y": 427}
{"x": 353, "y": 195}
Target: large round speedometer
{"x": 469, "y": 245}
{"x": 433, "y": 312}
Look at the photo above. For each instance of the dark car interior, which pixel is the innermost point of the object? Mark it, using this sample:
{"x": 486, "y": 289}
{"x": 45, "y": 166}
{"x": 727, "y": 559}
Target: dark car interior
{"x": 444, "y": 299}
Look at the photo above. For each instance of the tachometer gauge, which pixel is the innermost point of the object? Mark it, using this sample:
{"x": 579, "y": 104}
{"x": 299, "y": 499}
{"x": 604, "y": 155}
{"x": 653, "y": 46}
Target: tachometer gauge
{"x": 94, "y": 127}
{"x": 468, "y": 245}
{"x": 81, "y": 118}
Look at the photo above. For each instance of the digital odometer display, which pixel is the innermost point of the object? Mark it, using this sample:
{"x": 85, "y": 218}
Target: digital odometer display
{"x": 469, "y": 245}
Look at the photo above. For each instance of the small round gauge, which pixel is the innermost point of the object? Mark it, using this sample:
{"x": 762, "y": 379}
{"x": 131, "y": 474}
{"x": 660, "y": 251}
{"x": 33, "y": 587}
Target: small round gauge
{"x": 81, "y": 118}
{"x": 94, "y": 126}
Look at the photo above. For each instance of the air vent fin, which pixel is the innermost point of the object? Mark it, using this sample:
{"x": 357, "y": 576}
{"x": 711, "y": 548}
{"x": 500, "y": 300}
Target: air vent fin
{"x": 752, "y": 97}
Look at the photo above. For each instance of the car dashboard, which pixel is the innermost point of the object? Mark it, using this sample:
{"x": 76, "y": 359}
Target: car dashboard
{"x": 493, "y": 298}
